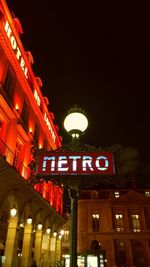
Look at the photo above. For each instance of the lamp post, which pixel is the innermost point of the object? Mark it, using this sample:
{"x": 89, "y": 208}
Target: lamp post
{"x": 75, "y": 124}
{"x": 73, "y": 165}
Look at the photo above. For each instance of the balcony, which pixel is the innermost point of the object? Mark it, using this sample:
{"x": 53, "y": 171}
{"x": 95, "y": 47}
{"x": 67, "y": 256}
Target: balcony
{"x": 11, "y": 158}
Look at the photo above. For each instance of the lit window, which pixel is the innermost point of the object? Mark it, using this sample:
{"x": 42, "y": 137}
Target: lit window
{"x": 147, "y": 193}
{"x": 95, "y": 222}
{"x": 119, "y": 222}
{"x": 135, "y": 222}
{"x": 66, "y": 236}
{"x": 117, "y": 194}
{"x": 92, "y": 260}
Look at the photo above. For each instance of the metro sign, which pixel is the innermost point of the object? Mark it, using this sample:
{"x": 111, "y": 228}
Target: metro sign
{"x": 76, "y": 163}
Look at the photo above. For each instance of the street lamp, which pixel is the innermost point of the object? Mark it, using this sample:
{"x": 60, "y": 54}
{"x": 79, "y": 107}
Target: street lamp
{"x": 75, "y": 124}
{"x": 73, "y": 165}
{"x": 39, "y": 226}
{"x": 13, "y": 211}
{"x": 48, "y": 230}
{"x": 29, "y": 220}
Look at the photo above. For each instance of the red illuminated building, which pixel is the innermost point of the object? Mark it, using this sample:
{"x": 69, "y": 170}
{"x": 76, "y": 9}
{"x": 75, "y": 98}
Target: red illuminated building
{"x": 25, "y": 121}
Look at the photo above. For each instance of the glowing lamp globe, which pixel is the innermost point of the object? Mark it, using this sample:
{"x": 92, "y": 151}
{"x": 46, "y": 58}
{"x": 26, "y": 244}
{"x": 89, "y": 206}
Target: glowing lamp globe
{"x": 13, "y": 212}
{"x": 75, "y": 122}
{"x": 40, "y": 226}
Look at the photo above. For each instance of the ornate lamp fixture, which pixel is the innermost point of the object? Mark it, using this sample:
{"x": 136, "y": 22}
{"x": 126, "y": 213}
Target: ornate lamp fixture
{"x": 55, "y": 233}
{"x": 48, "y": 230}
{"x": 75, "y": 122}
{"x": 40, "y": 226}
{"x": 13, "y": 211}
{"x": 29, "y": 220}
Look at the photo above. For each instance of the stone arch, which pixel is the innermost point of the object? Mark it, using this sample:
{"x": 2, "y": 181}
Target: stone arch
{"x": 26, "y": 211}
{"x": 38, "y": 217}
{"x": 9, "y": 201}
{"x": 47, "y": 223}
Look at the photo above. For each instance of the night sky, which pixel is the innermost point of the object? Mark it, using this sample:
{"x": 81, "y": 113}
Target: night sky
{"x": 95, "y": 55}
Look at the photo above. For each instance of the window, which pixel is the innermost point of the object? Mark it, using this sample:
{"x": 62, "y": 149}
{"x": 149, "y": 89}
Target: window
{"x": 147, "y": 218}
{"x": 139, "y": 253}
{"x": 36, "y": 133}
{"x": 10, "y": 81}
{"x": 135, "y": 223}
{"x": 119, "y": 222}
{"x": 121, "y": 256}
{"x": 25, "y": 112}
{"x": 95, "y": 222}
{"x": 66, "y": 236}
{"x": 92, "y": 261}
{"x": 17, "y": 162}
{"x": 121, "y": 244}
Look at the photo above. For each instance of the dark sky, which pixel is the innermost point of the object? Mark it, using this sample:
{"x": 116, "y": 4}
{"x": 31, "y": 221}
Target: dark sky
{"x": 95, "y": 55}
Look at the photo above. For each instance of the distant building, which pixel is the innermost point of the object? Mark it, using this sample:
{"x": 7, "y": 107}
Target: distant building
{"x": 120, "y": 221}
{"x": 25, "y": 123}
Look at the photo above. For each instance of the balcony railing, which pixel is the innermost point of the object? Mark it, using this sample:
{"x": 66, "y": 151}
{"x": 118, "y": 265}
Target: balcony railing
{"x": 12, "y": 159}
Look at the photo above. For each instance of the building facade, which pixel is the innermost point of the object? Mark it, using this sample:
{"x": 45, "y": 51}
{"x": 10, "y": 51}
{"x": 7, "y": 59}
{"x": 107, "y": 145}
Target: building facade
{"x": 120, "y": 222}
{"x": 30, "y": 214}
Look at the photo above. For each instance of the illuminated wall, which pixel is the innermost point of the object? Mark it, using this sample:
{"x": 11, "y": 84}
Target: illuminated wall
{"x": 24, "y": 116}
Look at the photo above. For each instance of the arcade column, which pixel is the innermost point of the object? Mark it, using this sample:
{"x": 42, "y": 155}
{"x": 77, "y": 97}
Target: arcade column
{"x": 52, "y": 250}
{"x": 38, "y": 246}
{"x": 26, "y": 249}
{"x": 46, "y": 250}
{"x": 58, "y": 250}
{"x": 10, "y": 247}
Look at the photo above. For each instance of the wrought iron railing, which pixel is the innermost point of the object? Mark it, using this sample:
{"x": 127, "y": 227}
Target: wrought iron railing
{"x": 13, "y": 160}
